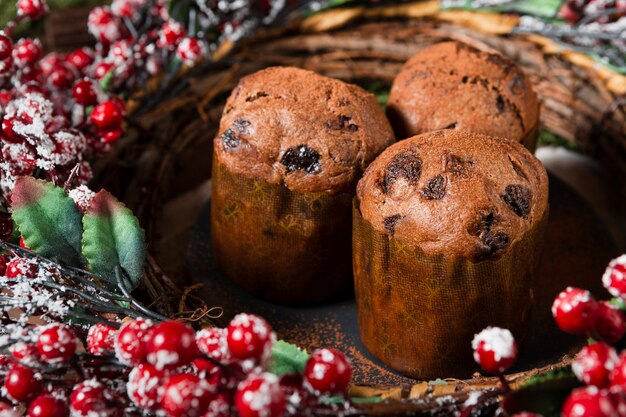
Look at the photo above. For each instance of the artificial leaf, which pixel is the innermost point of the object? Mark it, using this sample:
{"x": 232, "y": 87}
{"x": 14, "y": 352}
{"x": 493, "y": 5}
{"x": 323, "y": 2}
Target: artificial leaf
{"x": 543, "y": 394}
{"x": 113, "y": 241}
{"x": 287, "y": 359}
{"x": 48, "y": 219}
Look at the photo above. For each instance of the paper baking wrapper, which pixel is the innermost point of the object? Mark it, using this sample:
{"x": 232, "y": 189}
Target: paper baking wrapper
{"x": 280, "y": 245}
{"x": 418, "y": 313}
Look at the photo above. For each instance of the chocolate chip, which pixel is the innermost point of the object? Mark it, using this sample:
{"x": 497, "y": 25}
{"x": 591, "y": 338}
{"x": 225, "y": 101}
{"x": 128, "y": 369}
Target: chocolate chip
{"x": 518, "y": 198}
{"x": 451, "y": 126}
{"x": 390, "y": 223}
{"x": 465, "y": 79}
{"x": 458, "y": 166}
{"x": 341, "y": 123}
{"x": 230, "y": 139}
{"x": 500, "y": 103}
{"x": 406, "y": 165}
{"x": 517, "y": 167}
{"x": 301, "y": 158}
{"x": 491, "y": 245}
{"x": 486, "y": 219}
{"x": 435, "y": 189}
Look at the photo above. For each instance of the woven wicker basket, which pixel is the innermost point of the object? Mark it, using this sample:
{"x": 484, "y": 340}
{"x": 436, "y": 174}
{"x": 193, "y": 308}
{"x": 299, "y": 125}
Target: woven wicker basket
{"x": 580, "y": 102}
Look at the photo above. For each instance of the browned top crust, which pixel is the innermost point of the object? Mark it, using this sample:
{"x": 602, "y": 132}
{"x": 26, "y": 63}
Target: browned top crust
{"x": 452, "y": 85}
{"x": 291, "y": 126}
{"x": 455, "y": 193}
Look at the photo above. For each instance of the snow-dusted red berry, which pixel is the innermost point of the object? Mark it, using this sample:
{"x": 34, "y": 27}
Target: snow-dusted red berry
{"x": 171, "y": 344}
{"x": 89, "y": 398}
{"x": 190, "y": 50}
{"x": 6, "y": 46}
{"x": 495, "y": 349}
{"x": 126, "y": 8}
{"x": 106, "y": 115}
{"x": 588, "y": 402}
{"x": 102, "y": 69}
{"x": 22, "y": 383}
{"x": 618, "y": 374}
{"x": 82, "y": 196}
{"x": 212, "y": 342}
{"x": 21, "y": 268}
{"x": 104, "y": 25}
{"x": 594, "y": 364}
{"x": 171, "y": 33}
{"x": 575, "y": 311}
{"x": 26, "y": 52}
{"x": 327, "y": 371}
{"x": 61, "y": 77}
{"x": 220, "y": 407}
{"x": 34, "y": 9}
{"x": 101, "y": 339}
{"x": 145, "y": 386}
{"x": 47, "y": 406}
{"x": 57, "y": 343}
{"x": 25, "y": 353}
{"x": 80, "y": 58}
{"x": 7, "y": 410}
{"x": 249, "y": 337}
{"x": 8, "y": 134}
{"x": 130, "y": 342}
{"x": 611, "y": 324}
{"x": 111, "y": 136}
{"x": 614, "y": 278}
{"x": 186, "y": 395}
{"x": 260, "y": 396}
{"x": 84, "y": 92}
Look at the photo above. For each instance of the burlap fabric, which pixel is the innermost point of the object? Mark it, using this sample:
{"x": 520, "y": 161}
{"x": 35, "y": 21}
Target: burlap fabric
{"x": 418, "y": 313}
{"x": 286, "y": 247}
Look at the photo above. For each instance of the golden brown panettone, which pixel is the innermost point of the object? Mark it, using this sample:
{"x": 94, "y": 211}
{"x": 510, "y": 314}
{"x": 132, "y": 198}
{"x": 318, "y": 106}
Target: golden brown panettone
{"x": 452, "y": 85}
{"x": 291, "y": 146}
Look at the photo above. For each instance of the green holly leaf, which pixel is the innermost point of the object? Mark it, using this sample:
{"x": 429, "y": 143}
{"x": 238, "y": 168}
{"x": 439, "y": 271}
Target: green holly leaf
{"x": 113, "y": 241}
{"x": 48, "y": 219}
{"x": 287, "y": 359}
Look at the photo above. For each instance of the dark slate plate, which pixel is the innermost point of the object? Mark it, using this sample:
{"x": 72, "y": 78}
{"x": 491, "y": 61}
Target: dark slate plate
{"x": 578, "y": 248}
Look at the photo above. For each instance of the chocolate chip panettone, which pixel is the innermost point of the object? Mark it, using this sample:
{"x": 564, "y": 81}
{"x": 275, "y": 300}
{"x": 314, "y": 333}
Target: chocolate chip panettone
{"x": 447, "y": 236}
{"x": 452, "y": 85}
{"x": 291, "y": 146}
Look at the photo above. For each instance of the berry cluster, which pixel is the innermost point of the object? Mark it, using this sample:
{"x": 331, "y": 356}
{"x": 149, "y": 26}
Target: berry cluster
{"x": 160, "y": 368}
{"x": 598, "y": 11}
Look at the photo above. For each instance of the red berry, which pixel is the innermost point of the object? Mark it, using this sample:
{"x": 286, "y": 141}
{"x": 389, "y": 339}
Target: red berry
{"x": 61, "y": 77}
{"x": 203, "y": 365}
{"x": 101, "y": 339}
{"x": 104, "y": 25}
{"x": 575, "y": 311}
{"x": 26, "y": 52}
{"x": 89, "y": 398}
{"x": 8, "y": 134}
{"x": 618, "y": 374}
{"x": 47, "y": 406}
{"x": 22, "y": 383}
{"x": 220, "y": 407}
{"x": 80, "y": 58}
{"x": 23, "y": 243}
{"x": 111, "y": 136}
{"x": 84, "y": 93}
{"x": 611, "y": 324}
{"x": 614, "y": 278}
{"x": 588, "y": 402}
{"x": 50, "y": 62}
{"x": 328, "y": 371}
{"x": 171, "y": 344}
{"x": 190, "y": 50}
{"x": 6, "y": 410}
{"x": 106, "y": 115}
{"x": 171, "y": 34}
{"x": 186, "y": 395}
{"x": 4, "y": 260}
{"x": 101, "y": 70}
{"x": 145, "y": 387}
{"x": 526, "y": 414}
{"x": 594, "y": 364}
{"x": 212, "y": 342}
{"x": 249, "y": 337}
{"x": 130, "y": 342}
{"x": 6, "y": 46}
{"x": 495, "y": 349}
{"x": 260, "y": 396}
{"x": 57, "y": 343}
{"x": 25, "y": 353}
{"x": 21, "y": 268}
{"x": 34, "y": 9}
